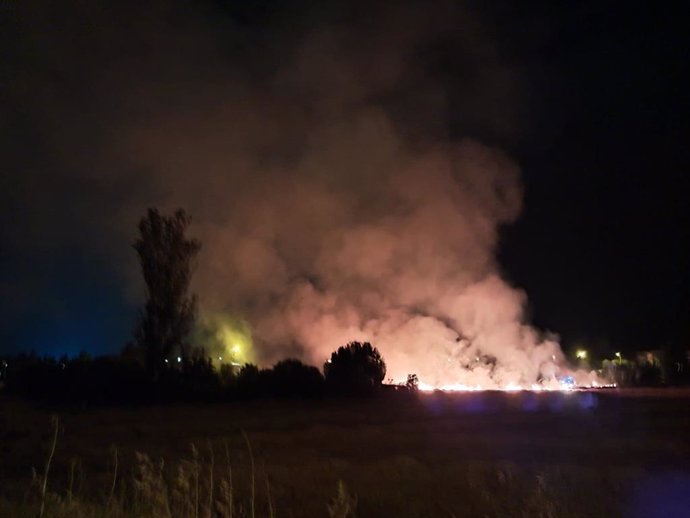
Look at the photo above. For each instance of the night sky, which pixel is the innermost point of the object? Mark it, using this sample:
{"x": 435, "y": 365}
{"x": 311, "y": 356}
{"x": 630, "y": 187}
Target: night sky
{"x": 595, "y": 116}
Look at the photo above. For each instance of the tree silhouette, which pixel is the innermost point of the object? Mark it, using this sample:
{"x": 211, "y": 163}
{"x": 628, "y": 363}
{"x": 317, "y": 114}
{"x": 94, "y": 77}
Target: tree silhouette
{"x": 165, "y": 255}
{"x": 355, "y": 369}
{"x": 293, "y": 378}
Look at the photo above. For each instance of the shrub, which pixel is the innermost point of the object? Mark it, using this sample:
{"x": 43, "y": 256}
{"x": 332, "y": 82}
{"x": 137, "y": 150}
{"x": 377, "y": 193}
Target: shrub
{"x": 293, "y": 378}
{"x": 412, "y": 383}
{"x": 252, "y": 381}
{"x": 355, "y": 369}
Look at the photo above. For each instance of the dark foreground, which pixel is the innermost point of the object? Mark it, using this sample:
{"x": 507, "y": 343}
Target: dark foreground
{"x": 608, "y": 453}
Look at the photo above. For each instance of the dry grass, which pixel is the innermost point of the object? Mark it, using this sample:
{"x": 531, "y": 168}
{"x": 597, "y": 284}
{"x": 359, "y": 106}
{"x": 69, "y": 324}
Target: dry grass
{"x": 188, "y": 488}
{"x": 441, "y": 457}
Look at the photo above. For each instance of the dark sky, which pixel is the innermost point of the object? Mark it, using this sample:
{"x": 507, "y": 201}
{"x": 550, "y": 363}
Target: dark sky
{"x": 599, "y": 132}
{"x": 601, "y": 246}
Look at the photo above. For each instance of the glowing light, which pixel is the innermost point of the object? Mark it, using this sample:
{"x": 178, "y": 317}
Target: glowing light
{"x": 234, "y": 339}
{"x": 227, "y": 338}
{"x": 581, "y": 354}
{"x": 566, "y": 385}
{"x": 619, "y": 355}
{"x": 179, "y": 359}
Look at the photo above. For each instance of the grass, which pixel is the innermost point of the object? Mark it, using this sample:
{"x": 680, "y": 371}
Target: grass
{"x": 186, "y": 489}
{"x": 468, "y": 455}
{"x": 189, "y": 489}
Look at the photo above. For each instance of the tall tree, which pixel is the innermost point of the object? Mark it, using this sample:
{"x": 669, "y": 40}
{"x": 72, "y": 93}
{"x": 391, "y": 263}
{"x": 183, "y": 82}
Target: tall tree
{"x": 165, "y": 255}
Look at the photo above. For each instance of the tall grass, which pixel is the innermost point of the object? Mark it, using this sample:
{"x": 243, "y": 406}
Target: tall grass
{"x": 44, "y": 486}
{"x": 202, "y": 485}
{"x": 188, "y": 488}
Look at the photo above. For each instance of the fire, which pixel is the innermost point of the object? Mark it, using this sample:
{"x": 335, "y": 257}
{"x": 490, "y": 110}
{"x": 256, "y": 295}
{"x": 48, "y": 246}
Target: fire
{"x": 567, "y": 381}
{"x": 456, "y": 387}
{"x": 510, "y": 387}
{"x": 565, "y": 385}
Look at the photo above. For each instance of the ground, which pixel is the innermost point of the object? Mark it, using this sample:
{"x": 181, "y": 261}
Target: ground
{"x": 607, "y": 453}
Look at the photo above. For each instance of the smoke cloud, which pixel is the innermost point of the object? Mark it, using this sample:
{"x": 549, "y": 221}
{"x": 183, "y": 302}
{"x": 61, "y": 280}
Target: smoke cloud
{"x": 329, "y": 160}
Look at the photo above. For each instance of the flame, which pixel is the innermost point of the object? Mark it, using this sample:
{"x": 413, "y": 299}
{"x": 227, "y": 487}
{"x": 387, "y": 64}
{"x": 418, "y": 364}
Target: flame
{"x": 559, "y": 386}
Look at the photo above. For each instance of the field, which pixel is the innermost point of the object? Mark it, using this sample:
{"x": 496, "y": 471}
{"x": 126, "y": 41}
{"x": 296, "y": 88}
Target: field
{"x": 608, "y": 453}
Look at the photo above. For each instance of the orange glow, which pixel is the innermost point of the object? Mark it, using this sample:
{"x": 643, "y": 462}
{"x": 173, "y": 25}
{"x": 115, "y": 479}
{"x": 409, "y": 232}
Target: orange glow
{"x": 513, "y": 387}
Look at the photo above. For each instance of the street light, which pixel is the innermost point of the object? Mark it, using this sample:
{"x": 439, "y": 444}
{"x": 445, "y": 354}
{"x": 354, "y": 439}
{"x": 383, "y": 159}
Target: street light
{"x": 620, "y": 358}
{"x": 581, "y": 354}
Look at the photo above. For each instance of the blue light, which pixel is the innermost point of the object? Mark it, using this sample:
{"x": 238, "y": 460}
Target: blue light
{"x": 567, "y": 381}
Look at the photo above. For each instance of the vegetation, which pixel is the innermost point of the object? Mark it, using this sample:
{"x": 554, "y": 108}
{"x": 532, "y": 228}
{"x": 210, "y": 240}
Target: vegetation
{"x": 121, "y": 379}
{"x": 294, "y": 378}
{"x": 355, "y": 369}
{"x": 196, "y": 486}
{"x": 465, "y": 455}
{"x": 165, "y": 254}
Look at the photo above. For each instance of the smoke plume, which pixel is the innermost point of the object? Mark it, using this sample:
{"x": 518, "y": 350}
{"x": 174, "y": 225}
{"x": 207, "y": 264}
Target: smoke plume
{"x": 330, "y": 161}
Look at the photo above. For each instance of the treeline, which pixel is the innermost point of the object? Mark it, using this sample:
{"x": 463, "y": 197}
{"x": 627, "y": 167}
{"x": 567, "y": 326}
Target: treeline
{"x": 162, "y": 364}
{"x": 355, "y": 369}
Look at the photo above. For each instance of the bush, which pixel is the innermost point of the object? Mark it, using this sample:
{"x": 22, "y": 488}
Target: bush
{"x": 80, "y": 380}
{"x": 252, "y": 381}
{"x": 195, "y": 379}
{"x": 355, "y": 369}
{"x": 412, "y": 383}
{"x": 292, "y": 378}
